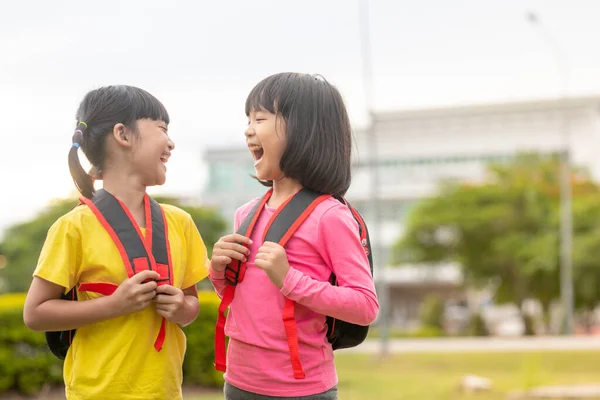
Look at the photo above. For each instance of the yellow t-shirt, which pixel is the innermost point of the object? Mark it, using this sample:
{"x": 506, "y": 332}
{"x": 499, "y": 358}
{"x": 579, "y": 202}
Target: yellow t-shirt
{"x": 116, "y": 359}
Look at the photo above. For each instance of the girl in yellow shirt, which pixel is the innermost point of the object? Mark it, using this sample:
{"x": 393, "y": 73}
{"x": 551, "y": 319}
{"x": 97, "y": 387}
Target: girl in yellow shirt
{"x": 115, "y": 353}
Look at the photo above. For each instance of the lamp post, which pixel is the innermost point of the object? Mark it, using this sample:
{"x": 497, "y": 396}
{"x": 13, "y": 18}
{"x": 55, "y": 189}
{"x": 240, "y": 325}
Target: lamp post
{"x": 374, "y": 180}
{"x": 566, "y": 212}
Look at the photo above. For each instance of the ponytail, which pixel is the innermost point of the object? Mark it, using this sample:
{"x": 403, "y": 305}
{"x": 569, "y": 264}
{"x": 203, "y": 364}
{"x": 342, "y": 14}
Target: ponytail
{"x": 83, "y": 181}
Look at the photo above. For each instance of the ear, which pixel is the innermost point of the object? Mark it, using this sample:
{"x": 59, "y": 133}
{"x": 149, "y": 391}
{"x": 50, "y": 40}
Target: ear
{"x": 122, "y": 135}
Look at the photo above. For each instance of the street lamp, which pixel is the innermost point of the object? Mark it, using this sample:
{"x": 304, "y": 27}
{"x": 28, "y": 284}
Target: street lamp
{"x": 374, "y": 201}
{"x": 566, "y": 212}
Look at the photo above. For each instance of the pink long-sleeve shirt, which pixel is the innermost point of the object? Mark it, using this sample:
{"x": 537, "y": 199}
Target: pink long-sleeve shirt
{"x": 258, "y": 358}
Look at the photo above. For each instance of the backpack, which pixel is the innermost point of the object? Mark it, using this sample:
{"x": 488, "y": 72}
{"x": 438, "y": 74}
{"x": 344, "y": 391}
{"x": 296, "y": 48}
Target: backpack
{"x": 286, "y": 220}
{"x": 139, "y": 253}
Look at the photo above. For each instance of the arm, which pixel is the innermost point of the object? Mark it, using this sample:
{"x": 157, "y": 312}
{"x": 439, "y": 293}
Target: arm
{"x": 45, "y": 311}
{"x": 354, "y": 299}
{"x": 58, "y": 269}
{"x": 192, "y": 306}
{"x": 176, "y": 305}
{"x": 217, "y": 278}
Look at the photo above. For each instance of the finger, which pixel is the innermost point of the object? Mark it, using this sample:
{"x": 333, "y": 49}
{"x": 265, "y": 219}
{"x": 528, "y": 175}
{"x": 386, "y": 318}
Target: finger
{"x": 265, "y": 251}
{"x": 271, "y": 245}
{"x": 167, "y": 289}
{"x": 164, "y": 307}
{"x": 161, "y": 307}
{"x": 148, "y": 287}
{"x": 262, "y": 264}
{"x": 235, "y": 247}
{"x": 236, "y": 237}
{"x": 163, "y": 313}
{"x": 165, "y": 299}
{"x": 232, "y": 255}
{"x": 148, "y": 297}
{"x": 220, "y": 260}
{"x": 142, "y": 276}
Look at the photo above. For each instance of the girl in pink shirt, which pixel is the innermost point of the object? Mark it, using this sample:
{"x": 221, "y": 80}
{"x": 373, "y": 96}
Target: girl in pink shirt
{"x": 299, "y": 135}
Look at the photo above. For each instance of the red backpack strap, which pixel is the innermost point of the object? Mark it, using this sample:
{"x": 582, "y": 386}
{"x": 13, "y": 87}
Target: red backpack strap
{"x": 234, "y": 274}
{"x": 138, "y": 253}
{"x": 280, "y": 228}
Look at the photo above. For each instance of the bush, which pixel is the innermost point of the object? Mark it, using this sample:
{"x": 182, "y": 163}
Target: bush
{"x": 26, "y": 364}
{"x": 419, "y": 333}
{"x": 529, "y": 322}
{"x": 198, "y": 365}
{"x": 477, "y": 326}
{"x": 432, "y": 312}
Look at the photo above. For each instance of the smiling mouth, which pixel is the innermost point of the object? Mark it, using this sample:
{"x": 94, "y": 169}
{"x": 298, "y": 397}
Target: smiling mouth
{"x": 257, "y": 153}
{"x": 164, "y": 159}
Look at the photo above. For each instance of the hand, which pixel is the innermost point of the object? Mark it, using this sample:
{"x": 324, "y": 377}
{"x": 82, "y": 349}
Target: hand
{"x": 133, "y": 294}
{"x": 170, "y": 303}
{"x": 227, "y": 249}
{"x": 272, "y": 259}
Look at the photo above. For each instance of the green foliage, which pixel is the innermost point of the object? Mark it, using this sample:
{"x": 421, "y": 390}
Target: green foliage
{"x": 419, "y": 333}
{"x": 432, "y": 312}
{"x": 506, "y": 229}
{"x": 198, "y": 365}
{"x": 529, "y": 322}
{"x": 23, "y": 242}
{"x": 26, "y": 364}
{"x": 477, "y": 326}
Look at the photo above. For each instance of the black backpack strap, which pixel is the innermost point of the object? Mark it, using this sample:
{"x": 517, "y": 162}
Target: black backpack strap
{"x": 363, "y": 231}
{"x": 342, "y": 334}
{"x": 290, "y": 215}
{"x": 138, "y": 253}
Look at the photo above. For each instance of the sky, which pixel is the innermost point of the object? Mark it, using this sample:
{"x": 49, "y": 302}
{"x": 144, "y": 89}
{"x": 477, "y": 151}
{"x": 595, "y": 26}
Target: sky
{"x": 201, "y": 59}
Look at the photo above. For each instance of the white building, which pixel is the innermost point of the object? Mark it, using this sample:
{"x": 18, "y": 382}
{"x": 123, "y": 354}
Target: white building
{"x": 418, "y": 148}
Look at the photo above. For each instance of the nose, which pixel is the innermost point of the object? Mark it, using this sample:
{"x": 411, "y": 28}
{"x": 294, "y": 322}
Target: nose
{"x": 249, "y": 131}
{"x": 171, "y": 145}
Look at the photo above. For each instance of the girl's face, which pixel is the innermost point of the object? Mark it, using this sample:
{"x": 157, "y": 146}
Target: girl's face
{"x": 265, "y": 137}
{"x": 152, "y": 152}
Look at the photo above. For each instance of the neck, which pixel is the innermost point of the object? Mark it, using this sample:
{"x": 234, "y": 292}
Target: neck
{"x": 282, "y": 190}
{"x": 128, "y": 189}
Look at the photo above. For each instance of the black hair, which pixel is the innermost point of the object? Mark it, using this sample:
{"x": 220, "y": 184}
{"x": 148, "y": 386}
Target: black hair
{"x": 319, "y": 136}
{"x": 100, "y": 110}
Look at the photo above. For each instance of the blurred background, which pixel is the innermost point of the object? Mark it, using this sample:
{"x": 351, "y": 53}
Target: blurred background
{"x": 476, "y": 167}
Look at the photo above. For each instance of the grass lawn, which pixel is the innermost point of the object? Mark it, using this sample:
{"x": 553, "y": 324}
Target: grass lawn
{"x": 437, "y": 376}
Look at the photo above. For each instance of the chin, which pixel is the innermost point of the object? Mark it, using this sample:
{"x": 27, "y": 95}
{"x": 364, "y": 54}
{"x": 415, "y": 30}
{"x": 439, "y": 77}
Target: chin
{"x": 265, "y": 176}
{"x": 159, "y": 181}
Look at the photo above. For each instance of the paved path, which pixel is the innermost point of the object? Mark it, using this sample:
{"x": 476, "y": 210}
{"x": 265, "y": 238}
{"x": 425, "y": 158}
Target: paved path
{"x": 448, "y": 345}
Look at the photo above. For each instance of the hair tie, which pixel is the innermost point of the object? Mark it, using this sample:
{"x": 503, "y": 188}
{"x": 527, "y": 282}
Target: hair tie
{"x": 76, "y": 144}
{"x": 82, "y": 123}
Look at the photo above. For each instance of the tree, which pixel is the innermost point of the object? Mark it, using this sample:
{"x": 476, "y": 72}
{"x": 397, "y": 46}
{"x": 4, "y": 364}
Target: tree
{"x": 23, "y": 242}
{"x": 506, "y": 229}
